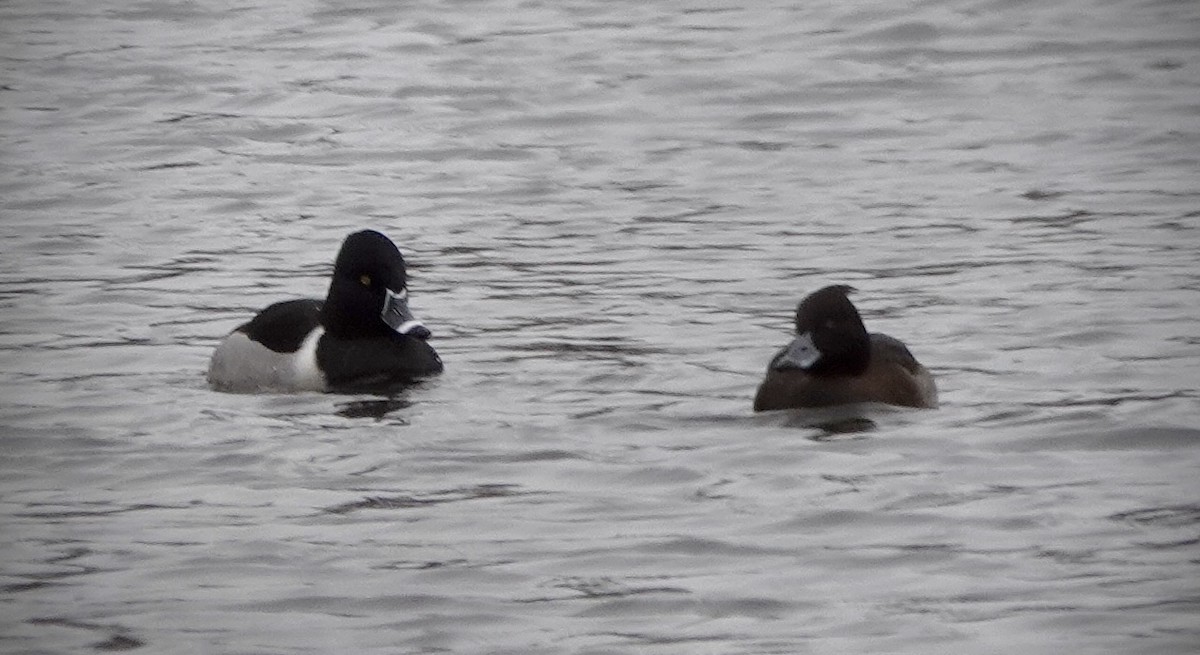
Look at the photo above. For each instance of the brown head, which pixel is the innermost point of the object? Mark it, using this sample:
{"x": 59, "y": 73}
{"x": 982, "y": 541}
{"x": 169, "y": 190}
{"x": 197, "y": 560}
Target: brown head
{"x": 830, "y": 336}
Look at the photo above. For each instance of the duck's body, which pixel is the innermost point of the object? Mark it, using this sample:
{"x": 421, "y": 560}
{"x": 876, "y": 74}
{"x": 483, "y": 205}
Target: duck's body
{"x": 361, "y": 338}
{"x": 834, "y": 361}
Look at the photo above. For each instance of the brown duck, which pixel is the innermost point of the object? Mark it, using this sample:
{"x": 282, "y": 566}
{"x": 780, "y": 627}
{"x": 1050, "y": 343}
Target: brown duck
{"x": 834, "y": 360}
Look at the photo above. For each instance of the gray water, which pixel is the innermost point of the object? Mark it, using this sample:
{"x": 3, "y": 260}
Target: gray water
{"x": 610, "y": 210}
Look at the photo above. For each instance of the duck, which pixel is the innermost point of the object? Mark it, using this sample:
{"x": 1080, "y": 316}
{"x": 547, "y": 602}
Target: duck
{"x": 361, "y": 338}
{"x": 833, "y": 360}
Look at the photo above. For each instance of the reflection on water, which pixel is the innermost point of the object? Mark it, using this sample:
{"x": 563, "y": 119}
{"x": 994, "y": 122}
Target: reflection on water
{"x": 609, "y": 211}
{"x": 375, "y": 408}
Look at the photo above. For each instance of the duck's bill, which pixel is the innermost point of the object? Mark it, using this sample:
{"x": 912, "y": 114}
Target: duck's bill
{"x": 398, "y": 317}
{"x": 801, "y": 354}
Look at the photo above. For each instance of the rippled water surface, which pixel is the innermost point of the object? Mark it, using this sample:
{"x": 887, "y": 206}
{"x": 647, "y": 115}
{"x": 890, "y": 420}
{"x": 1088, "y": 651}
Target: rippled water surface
{"x": 610, "y": 210}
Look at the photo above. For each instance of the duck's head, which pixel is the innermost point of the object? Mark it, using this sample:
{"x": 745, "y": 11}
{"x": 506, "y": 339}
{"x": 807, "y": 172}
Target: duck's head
{"x": 830, "y": 336}
{"x": 368, "y": 294}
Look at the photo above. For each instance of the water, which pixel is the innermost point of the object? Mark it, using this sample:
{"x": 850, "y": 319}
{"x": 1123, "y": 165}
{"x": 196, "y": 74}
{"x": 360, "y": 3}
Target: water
{"x": 610, "y": 210}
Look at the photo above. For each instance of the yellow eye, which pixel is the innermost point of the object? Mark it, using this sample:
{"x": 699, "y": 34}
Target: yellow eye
{"x": 366, "y": 280}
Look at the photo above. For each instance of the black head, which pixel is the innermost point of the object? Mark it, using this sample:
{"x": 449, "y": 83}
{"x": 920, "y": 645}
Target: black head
{"x": 830, "y": 336}
{"x": 368, "y": 294}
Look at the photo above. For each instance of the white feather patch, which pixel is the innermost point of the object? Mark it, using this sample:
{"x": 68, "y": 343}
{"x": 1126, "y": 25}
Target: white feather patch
{"x": 306, "y": 375}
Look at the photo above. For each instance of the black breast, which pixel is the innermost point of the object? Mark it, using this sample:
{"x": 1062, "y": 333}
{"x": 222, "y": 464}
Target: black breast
{"x": 376, "y": 364}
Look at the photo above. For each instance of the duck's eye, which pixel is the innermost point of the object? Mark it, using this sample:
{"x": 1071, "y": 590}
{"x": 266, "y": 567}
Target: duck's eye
{"x": 366, "y": 280}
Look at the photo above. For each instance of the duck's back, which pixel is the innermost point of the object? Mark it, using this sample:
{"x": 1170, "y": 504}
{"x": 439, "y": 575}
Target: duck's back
{"x": 911, "y": 384}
